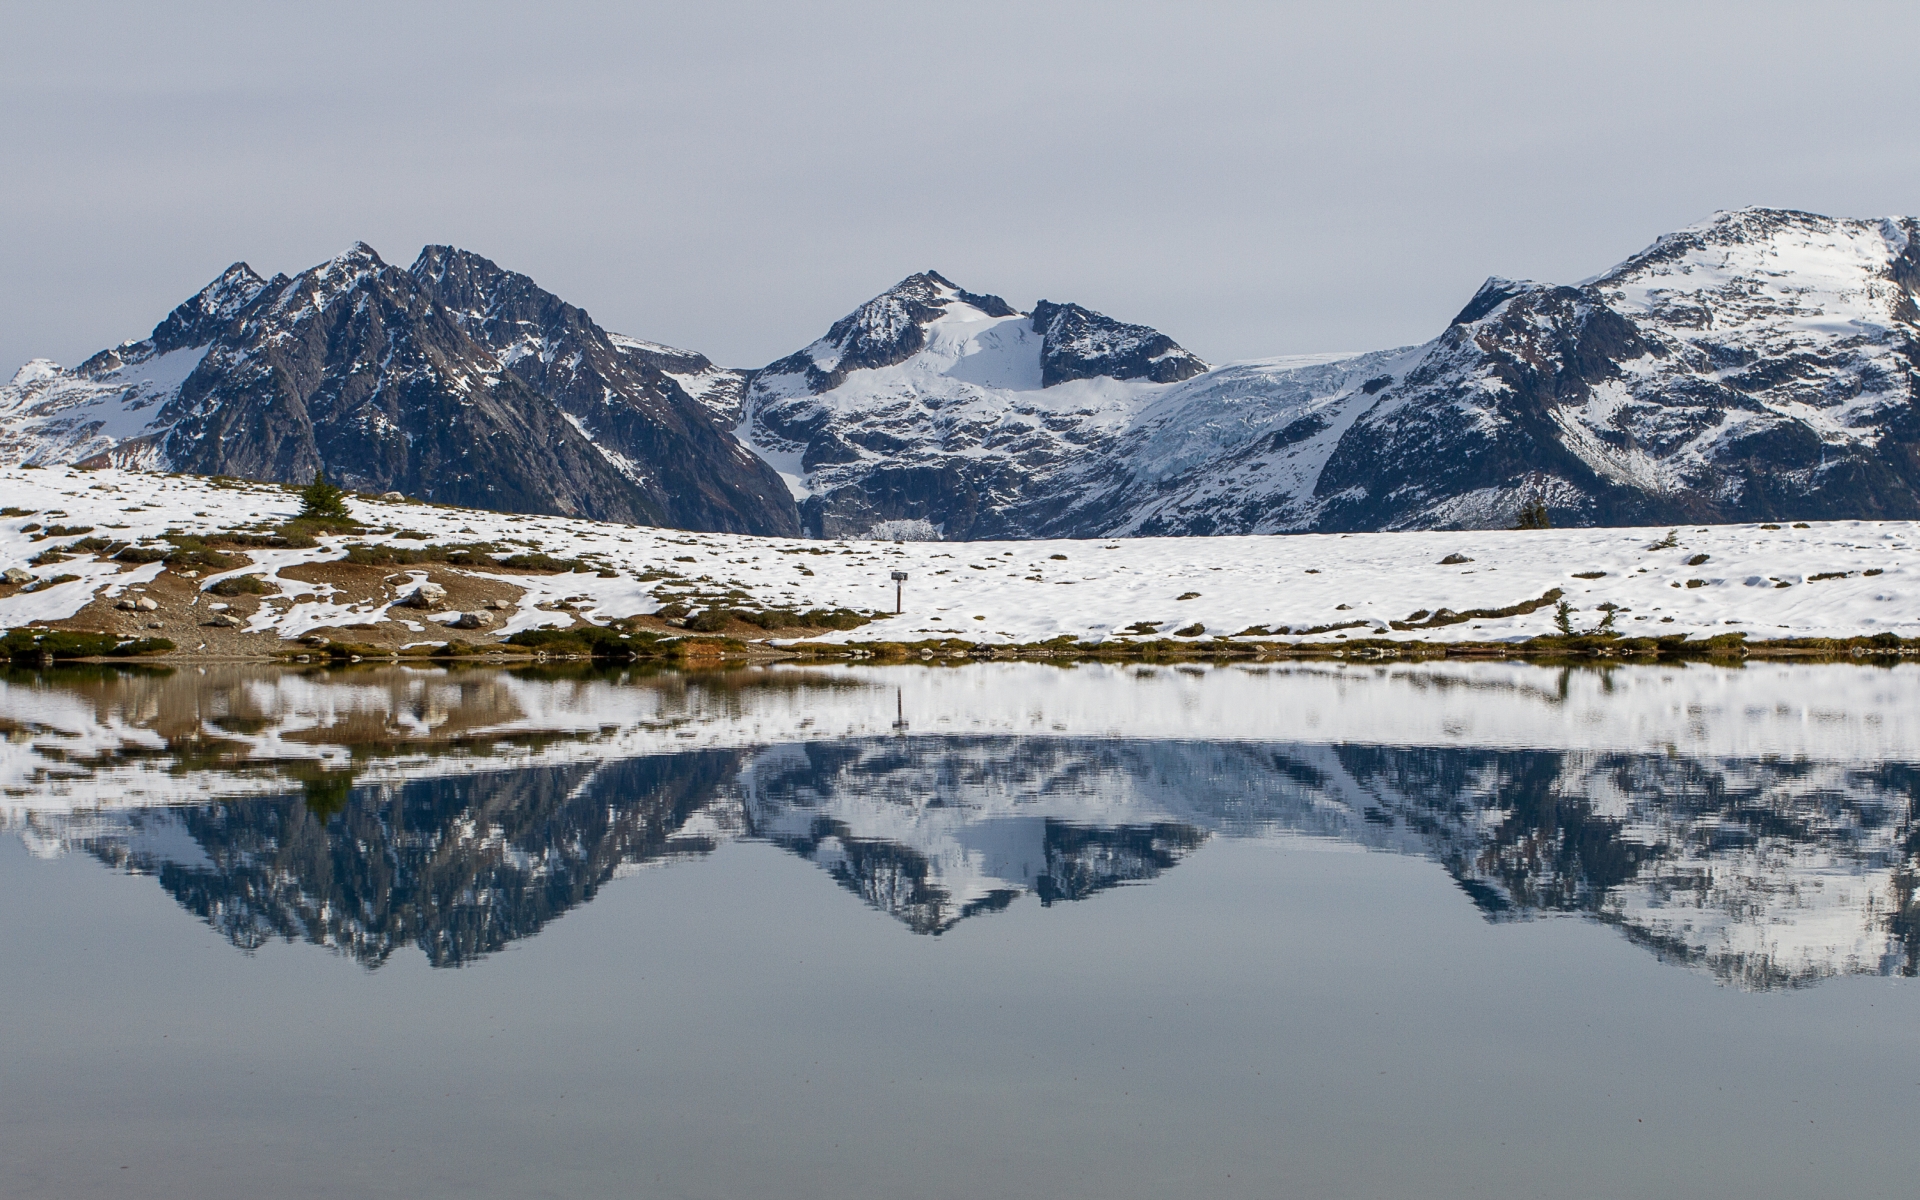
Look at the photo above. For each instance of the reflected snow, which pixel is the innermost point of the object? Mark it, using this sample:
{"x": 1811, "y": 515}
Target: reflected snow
{"x": 1756, "y": 825}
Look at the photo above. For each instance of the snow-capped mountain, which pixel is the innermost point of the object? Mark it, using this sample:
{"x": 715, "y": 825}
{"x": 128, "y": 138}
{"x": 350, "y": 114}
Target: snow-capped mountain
{"x": 1760, "y": 365}
{"x": 930, "y": 403}
{"x": 453, "y": 380}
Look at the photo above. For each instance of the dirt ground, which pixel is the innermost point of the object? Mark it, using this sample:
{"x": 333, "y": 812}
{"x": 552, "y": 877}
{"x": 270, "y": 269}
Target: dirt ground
{"x": 184, "y": 610}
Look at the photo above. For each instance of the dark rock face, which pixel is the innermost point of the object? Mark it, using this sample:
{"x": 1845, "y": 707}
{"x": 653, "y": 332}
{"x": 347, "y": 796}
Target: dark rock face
{"x": 619, "y": 395}
{"x": 1078, "y": 343}
{"x": 455, "y": 381}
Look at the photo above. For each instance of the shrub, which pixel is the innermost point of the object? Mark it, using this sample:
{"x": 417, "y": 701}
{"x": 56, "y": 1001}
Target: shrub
{"x": 544, "y": 562}
{"x": 243, "y": 585}
{"x": 592, "y": 641}
{"x": 141, "y": 554}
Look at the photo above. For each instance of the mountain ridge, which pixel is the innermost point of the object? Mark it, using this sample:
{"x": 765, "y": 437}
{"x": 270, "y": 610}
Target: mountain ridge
{"x": 1758, "y": 365}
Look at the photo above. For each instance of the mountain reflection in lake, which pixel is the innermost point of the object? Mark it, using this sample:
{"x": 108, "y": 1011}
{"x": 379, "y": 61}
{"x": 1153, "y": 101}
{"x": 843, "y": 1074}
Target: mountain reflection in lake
{"x": 1756, "y": 824}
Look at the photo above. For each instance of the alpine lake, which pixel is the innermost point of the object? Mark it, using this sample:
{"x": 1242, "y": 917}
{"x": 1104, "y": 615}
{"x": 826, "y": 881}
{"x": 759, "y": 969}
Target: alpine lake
{"x": 1002, "y": 929}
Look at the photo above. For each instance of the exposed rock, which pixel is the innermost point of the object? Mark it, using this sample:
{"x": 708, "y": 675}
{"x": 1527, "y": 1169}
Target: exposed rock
{"x": 455, "y": 381}
{"x": 470, "y": 620}
{"x": 427, "y": 595}
{"x": 17, "y": 575}
{"x": 224, "y": 621}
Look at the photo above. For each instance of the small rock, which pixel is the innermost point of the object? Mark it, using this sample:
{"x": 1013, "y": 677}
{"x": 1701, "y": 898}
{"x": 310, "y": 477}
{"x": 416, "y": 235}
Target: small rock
{"x": 127, "y": 603}
{"x": 427, "y": 595}
{"x": 225, "y": 621}
{"x": 190, "y": 574}
{"x": 156, "y": 625}
{"x": 147, "y": 603}
{"x": 16, "y": 575}
{"x": 470, "y": 620}
{"x": 498, "y": 605}
{"x": 392, "y": 496}
{"x": 1454, "y": 560}
{"x": 219, "y": 607}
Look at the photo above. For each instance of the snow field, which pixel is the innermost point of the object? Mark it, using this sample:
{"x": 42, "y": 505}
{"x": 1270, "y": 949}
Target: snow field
{"x": 1831, "y": 579}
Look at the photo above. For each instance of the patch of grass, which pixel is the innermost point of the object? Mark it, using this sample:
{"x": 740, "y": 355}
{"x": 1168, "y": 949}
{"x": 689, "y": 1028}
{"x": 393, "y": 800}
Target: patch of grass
{"x": 1446, "y": 616}
{"x": 545, "y": 562}
{"x": 31, "y": 644}
{"x": 1194, "y": 630}
{"x": 194, "y": 552}
{"x": 1589, "y": 574}
{"x": 594, "y": 641}
{"x": 467, "y": 554}
{"x": 1188, "y": 596}
{"x": 1813, "y": 578}
{"x": 141, "y": 554}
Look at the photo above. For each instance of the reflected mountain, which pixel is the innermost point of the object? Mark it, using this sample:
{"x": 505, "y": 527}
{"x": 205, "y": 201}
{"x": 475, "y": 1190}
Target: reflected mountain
{"x": 1763, "y": 873}
{"x": 1757, "y": 825}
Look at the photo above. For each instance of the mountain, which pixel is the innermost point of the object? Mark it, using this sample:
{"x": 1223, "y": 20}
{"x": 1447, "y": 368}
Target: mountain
{"x": 453, "y": 380}
{"x": 937, "y": 405}
{"x": 1758, "y": 366}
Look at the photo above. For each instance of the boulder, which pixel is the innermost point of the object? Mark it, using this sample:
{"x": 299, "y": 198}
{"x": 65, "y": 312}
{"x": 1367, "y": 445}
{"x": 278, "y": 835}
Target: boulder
{"x": 225, "y": 621}
{"x": 147, "y": 604}
{"x": 17, "y": 575}
{"x": 498, "y": 605}
{"x": 127, "y": 604}
{"x": 427, "y": 595}
{"x": 470, "y": 620}
{"x": 392, "y": 496}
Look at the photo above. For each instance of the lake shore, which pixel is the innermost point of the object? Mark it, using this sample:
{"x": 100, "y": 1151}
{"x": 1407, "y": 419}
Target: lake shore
{"x": 185, "y": 568}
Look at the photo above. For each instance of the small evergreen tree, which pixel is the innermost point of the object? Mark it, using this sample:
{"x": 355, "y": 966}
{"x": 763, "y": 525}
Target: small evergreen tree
{"x": 1563, "y": 618}
{"x": 1533, "y": 514}
{"x": 323, "y": 501}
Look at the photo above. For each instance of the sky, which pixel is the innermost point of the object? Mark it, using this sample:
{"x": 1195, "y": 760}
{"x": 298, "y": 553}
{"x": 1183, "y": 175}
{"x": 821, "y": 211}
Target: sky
{"x": 1253, "y": 179}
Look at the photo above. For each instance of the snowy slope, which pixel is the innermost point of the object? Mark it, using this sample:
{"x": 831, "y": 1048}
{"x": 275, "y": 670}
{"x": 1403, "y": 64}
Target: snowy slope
{"x": 1834, "y": 579}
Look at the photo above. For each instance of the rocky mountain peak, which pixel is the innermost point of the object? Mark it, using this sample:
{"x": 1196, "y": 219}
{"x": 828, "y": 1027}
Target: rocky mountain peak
{"x": 886, "y": 330}
{"x": 1078, "y": 343}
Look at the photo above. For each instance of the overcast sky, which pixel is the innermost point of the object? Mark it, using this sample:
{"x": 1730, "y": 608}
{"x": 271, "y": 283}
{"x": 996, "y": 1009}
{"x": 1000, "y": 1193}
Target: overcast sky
{"x": 1255, "y": 179}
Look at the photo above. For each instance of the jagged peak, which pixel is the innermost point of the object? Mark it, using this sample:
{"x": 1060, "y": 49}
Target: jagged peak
{"x": 1496, "y": 291}
{"x": 198, "y": 320}
{"x": 1079, "y": 343}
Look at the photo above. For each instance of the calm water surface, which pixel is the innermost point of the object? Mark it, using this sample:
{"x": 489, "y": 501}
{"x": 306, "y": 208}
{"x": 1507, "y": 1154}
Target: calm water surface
{"x": 997, "y": 930}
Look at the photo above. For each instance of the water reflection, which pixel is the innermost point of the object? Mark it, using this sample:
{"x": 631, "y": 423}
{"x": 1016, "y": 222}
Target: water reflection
{"x": 1756, "y": 825}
